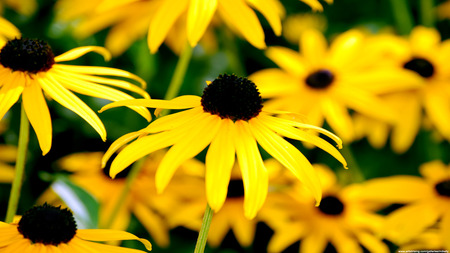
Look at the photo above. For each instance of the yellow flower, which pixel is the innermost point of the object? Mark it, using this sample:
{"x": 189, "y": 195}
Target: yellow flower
{"x": 28, "y": 67}
{"x": 427, "y": 202}
{"x": 157, "y": 18}
{"x": 24, "y": 7}
{"x": 342, "y": 219}
{"x": 229, "y": 117}
{"x": 426, "y": 56}
{"x": 51, "y": 229}
{"x": 324, "y": 83}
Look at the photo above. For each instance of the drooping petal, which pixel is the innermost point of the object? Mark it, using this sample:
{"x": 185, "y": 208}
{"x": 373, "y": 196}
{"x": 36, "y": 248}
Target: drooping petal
{"x": 181, "y": 102}
{"x": 219, "y": 162}
{"x": 10, "y": 92}
{"x": 288, "y": 155}
{"x": 287, "y": 59}
{"x": 238, "y": 14}
{"x": 67, "y": 99}
{"x": 154, "y": 224}
{"x": 272, "y": 10}
{"x": 108, "y": 235}
{"x": 117, "y": 144}
{"x": 254, "y": 173}
{"x": 94, "y": 247}
{"x": 99, "y": 91}
{"x": 80, "y": 51}
{"x": 166, "y": 15}
{"x": 38, "y": 114}
{"x": 199, "y": 16}
{"x": 191, "y": 142}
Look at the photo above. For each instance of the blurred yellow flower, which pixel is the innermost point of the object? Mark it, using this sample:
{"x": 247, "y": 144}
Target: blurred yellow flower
{"x": 51, "y": 229}
{"x": 324, "y": 83}
{"x": 230, "y": 118}
{"x": 431, "y": 239}
{"x": 427, "y": 202}
{"x": 343, "y": 219}
{"x": 135, "y": 18}
{"x": 295, "y": 25}
{"x": 8, "y": 155}
{"x": 24, "y": 7}
{"x": 426, "y": 56}
{"x": 28, "y": 67}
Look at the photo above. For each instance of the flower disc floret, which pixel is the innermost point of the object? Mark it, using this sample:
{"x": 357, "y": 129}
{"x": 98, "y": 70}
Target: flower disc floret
{"x": 443, "y": 188}
{"x": 320, "y": 79}
{"x": 47, "y": 224}
{"x": 421, "y": 66}
{"x": 235, "y": 189}
{"x": 27, "y": 55}
{"x": 229, "y": 96}
{"x": 331, "y": 205}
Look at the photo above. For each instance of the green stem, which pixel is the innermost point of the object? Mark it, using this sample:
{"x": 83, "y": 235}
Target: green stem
{"x": 14, "y": 196}
{"x": 355, "y": 172}
{"x": 134, "y": 172}
{"x": 179, "y": 73}
{"x": 427, "y": 12}
{"x": 402, "y": 16}
{"x": 203, "y": 234}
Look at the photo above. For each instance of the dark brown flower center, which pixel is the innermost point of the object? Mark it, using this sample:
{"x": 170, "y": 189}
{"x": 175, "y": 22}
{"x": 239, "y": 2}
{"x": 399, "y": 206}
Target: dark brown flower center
{"x": 320, "y": 79}
{"x": 331, "y": 205}
{"x": 420, "y": 66}
{"x": 443, "y": 188}
{"x": 229, "y": 96}
{"x": 27, "y": 55}
{"x": 47, "y": 224}
{"x": 235, "y": 189}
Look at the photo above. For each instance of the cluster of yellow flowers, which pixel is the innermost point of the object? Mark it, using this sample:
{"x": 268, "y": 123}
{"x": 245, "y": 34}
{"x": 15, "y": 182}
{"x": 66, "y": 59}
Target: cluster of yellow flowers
{"x": 234, "y": 149}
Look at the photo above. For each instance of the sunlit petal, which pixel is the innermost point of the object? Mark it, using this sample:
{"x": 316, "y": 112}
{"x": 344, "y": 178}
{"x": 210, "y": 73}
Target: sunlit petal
{"x": 80, "y": 51}
{"x": 200, "y": 13}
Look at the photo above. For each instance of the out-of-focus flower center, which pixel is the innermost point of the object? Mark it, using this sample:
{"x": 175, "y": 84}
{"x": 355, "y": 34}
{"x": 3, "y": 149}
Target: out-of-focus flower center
{"x": 229, "y": 96}
{"x": 443, "y": 188}
{"x": 47, "y": 224}
{"x": 27, "y": 55}
{"x": 420, "y": 66}
{"x": 320, "y": 79}
{"x": 331, "y": 205}
{"x": 235, "y": 189}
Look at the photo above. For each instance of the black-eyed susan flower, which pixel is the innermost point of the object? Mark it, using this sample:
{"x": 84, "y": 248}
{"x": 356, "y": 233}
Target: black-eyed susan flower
{"x": 51, "y": 229}
{"x": 28, "y": 69}
{"x": 230, "y": 118}
{"x": 343, "y": 219}
{"x": 157, "y": 18}
{"x": 426, "y": 199}
{"x": 425, "y": 55}
{"x": 324, "y": 83}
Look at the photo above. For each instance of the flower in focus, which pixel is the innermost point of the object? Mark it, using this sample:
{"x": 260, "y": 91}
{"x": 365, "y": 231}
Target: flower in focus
{"x": 426, "y": 56}
{"x": 28, "y": 67}
{"x": 24, "y": 7}
{"x": 343, "y": 219}
{"x": 230, "y": 118}
{"x": 157, "y": 18}
{"x": 52, "y": 229}
{"x": 324, "y": 83}
{"x": 427, "y": 202}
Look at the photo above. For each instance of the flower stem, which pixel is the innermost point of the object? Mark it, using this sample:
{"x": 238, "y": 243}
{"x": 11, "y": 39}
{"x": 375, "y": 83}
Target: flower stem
{"x": 427, "y": 12}
{"x": 179, "y": 73}
{"x": 203, "y": 234}
{"x": 14, "y": 196}
{"x": 134, "y": 172}
{"x": 356, "y": 174}
{"x": 402, "y": 16}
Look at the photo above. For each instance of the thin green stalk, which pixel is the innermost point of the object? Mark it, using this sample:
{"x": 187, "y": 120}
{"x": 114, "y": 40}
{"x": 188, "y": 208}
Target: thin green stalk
{"x": 24, "y": 134}
{"x": 356, "y": 175}
{"x": 402, "y": 15}
{"x": 179, "y": 73}
{"x": 427, "y": 11}
{"x": 203, "y": 234}
{"x": 134, "y": 172}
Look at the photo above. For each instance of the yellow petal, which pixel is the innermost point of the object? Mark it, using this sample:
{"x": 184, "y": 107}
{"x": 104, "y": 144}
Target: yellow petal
{"x": 313, "y": 46}
{"x": 10, "y": 92}
{"x": 423, "y": 39}
{"x": 55, "y": 90}
{"x": 346, "y": 48}
{"x": 154, "y": 223}
{"x": 110, "y": 235}
{"x": 199, "y": 16}
{"x": 272, "y": 10}
{"x": 254, "y": 174}
{"x": 7, "y": 173}
{"x": 37, "y": 112}
{"x": 288, "y": 59}
{"x": 314, "y": 242}
{"x": 172, "y": 121}
{"x": 274, "y": 82}
{"x": 193, "y": 140}
{"x": 166, "y": 15}
{"x": 406, "y": 128}
{"x": 314, "y": 4}
{"x": 435, "y": 171}
{"x": 437, "y": 107}
{"x": 372, "y": 243}
{"x": 117, "y": 144}
{"x": 285, "y": 236}
{"x": 182, "y": 102}
{"x": 445, "y": 226}
{"x": 80, "y": 51}
{"x": 243, "y": 19}
{"x": 339, "y": 118}
{"x": 8, "y": 29}
{"x": 219, "y": 162}
{"x": 288, "y": 155}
